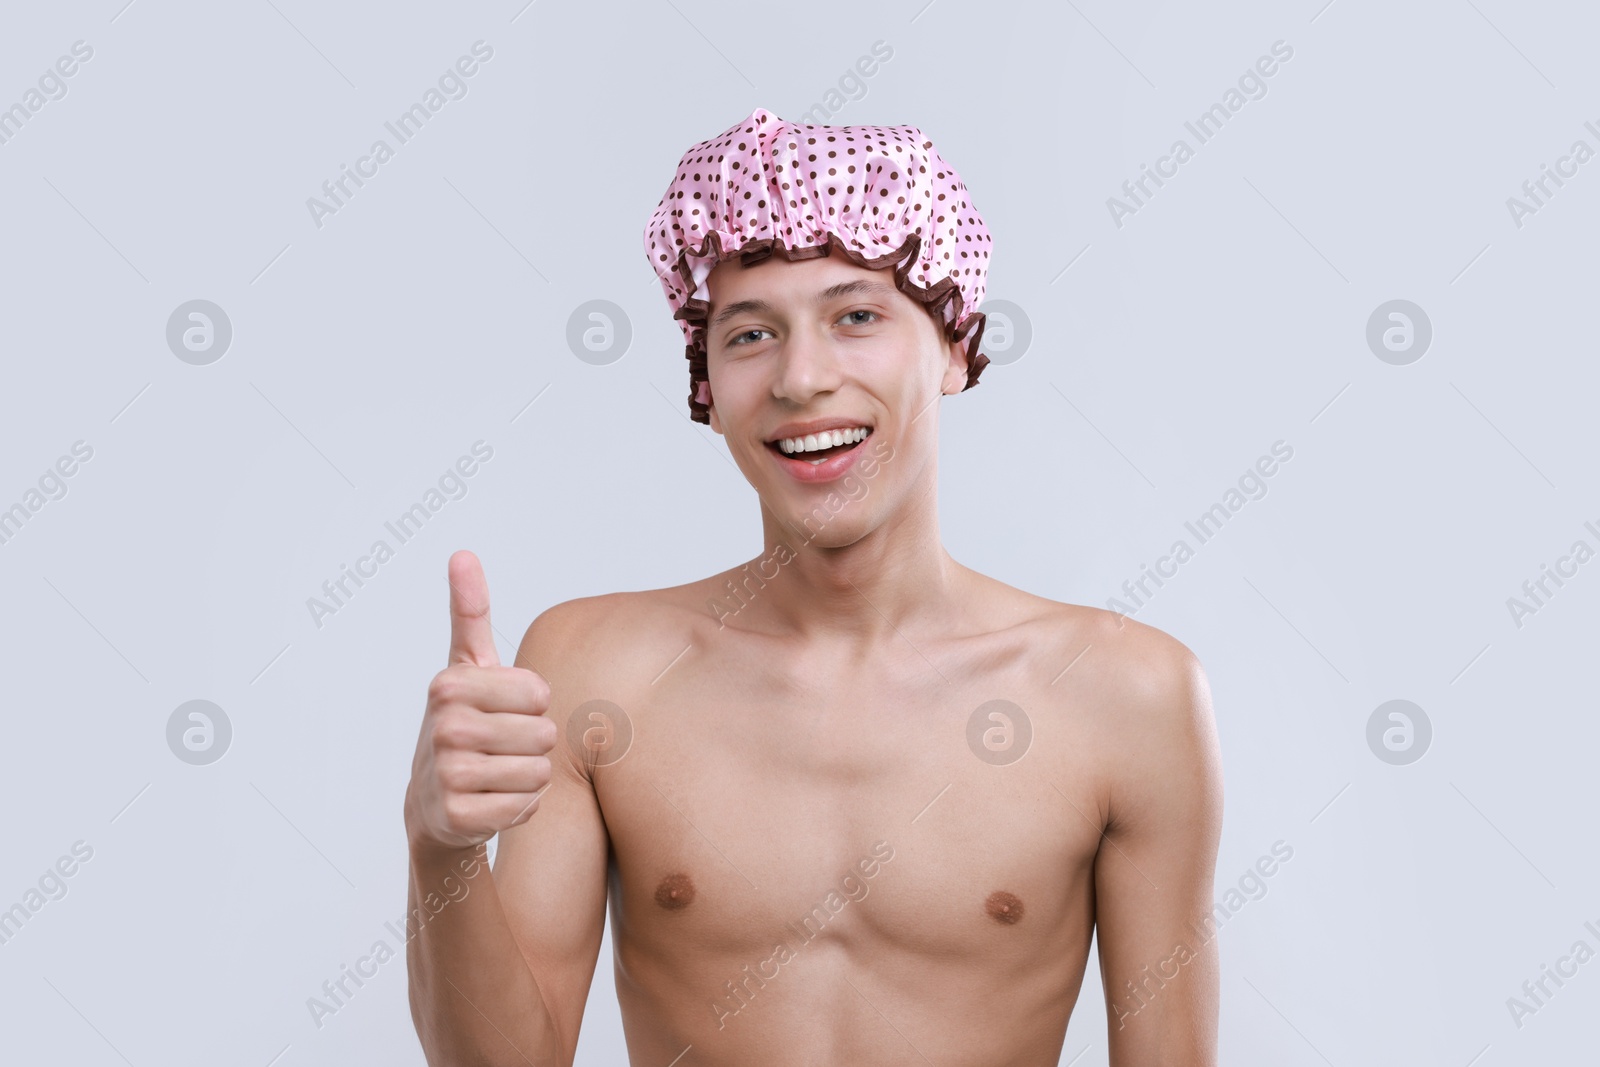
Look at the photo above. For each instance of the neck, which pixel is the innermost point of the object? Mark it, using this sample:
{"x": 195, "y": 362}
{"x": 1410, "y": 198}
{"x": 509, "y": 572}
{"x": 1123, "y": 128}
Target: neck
{"x": 867, "y": 593}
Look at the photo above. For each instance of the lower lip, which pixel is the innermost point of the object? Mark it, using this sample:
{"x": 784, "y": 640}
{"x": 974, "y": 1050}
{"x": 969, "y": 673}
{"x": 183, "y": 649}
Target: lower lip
{"x": 826, "y": 471}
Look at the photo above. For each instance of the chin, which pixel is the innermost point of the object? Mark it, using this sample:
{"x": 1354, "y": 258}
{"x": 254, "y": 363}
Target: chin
{"x": 816, "y": 529}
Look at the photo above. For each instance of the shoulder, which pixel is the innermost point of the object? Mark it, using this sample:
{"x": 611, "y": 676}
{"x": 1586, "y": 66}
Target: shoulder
{"x": 1133, "y": 667}
{"x": 1143, "y": 693}
{"x": 569, "y": 625}
{"x": 1152, "y": 679}
{"x": 1151, "y": 697}
{"x": 1130, "y": 665}
{"x": 610, "y": 643}
{"x": 575, "y": 631}
{"x": 597, "y": 654}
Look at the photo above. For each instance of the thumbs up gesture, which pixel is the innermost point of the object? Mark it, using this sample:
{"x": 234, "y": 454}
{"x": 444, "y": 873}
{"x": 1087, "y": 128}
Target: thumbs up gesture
{"x": 481, "y": 759}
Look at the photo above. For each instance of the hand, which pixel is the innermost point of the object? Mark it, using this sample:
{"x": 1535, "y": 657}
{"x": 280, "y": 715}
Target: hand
{"x": 481, "y": 759}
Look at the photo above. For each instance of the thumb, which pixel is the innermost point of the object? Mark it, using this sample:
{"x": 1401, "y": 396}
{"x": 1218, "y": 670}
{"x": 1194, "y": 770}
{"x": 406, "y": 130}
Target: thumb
{"x": 471, "y": 636}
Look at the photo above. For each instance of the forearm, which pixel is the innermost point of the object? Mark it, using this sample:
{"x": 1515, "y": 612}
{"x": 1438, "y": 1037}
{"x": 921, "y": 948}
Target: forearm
{"x": 474, "y": 999}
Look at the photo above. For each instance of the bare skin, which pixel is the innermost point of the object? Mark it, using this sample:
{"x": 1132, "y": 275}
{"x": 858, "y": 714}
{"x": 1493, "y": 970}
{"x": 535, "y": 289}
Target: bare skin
{"x": 811, "y": 853}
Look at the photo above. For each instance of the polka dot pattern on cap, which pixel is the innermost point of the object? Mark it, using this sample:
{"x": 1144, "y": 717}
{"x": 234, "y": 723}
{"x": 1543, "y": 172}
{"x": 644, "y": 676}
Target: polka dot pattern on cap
{"x": 879, "y": 195}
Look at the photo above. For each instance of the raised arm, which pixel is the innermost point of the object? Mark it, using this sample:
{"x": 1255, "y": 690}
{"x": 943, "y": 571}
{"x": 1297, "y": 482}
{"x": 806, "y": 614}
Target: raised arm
{"x": 1154, "y": 870}
{"x": 500, "y": 962}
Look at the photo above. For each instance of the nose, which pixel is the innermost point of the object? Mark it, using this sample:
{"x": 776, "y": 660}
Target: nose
{"x": 807, "y": 365}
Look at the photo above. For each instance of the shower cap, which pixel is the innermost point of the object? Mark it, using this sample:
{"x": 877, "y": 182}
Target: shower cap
{"x": 879, "y": 195}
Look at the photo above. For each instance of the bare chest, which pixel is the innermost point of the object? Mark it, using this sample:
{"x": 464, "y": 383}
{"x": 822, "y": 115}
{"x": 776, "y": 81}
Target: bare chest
{"x": 923, "y": 820}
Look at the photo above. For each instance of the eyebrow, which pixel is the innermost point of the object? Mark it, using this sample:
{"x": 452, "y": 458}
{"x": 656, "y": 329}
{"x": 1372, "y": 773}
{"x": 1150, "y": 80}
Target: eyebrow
{"x": 833, "y": 292}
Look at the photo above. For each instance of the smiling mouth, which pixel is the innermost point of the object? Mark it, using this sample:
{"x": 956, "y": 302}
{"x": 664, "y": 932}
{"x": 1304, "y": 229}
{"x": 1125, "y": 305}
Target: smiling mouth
{"x": 812, "y": 449}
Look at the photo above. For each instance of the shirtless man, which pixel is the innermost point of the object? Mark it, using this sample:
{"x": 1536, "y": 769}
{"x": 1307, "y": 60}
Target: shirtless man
{"x": 851, "y": 802}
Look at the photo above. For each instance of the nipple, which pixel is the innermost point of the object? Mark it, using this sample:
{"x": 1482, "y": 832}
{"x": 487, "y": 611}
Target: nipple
{"x": 1004, "y": 907}
{"x": 675, "y": 892}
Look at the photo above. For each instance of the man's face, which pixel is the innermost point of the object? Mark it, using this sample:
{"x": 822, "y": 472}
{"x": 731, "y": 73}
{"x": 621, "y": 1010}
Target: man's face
{"x": 789, "y": 345}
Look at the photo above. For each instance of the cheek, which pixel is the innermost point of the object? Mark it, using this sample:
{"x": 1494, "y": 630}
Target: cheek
{"x": 910, "y": 369}
{"x": 739, "y": 395}
{"x": 736, "y": 385}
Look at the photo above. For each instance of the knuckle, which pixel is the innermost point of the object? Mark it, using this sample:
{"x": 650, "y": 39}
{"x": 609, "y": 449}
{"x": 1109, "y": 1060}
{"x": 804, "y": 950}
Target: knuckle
{"x": 457, "y": 811}
{"x": 453, "y": 732}
{"x": 532, "y": 689}
{"x": 454, "y": 775}
{"x": 444, "y": 688}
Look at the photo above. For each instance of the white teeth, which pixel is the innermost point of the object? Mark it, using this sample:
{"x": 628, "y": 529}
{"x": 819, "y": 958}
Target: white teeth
{"x": 815, "y": 442}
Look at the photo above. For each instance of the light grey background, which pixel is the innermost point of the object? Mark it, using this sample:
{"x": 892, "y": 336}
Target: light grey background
{"x": 1167, "y": 354}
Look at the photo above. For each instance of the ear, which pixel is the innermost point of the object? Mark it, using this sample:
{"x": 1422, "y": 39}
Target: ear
{"x": 955, "y": 371}
{"x": 704, "y": 396}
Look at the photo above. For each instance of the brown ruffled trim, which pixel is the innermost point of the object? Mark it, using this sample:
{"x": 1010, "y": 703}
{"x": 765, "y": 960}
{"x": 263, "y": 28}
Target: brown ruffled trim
{"x": 933, "y": 298}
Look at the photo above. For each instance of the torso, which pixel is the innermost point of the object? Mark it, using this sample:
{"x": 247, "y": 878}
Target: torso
{"x": 812, "y": 865}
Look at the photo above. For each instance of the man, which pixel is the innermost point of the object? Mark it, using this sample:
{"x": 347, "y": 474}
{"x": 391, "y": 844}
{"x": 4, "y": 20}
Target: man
{"x": 851, "y": 802}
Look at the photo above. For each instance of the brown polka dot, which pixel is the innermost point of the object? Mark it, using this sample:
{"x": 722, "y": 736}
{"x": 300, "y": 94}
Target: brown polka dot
{"x": 1003, "y": 907}
{"x": 675, "y": 892}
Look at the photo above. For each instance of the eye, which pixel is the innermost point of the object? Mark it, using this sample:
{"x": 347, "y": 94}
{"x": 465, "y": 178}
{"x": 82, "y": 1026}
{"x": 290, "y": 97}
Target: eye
{"x": 735, "y": 339}
{"x": 859, "y": 311}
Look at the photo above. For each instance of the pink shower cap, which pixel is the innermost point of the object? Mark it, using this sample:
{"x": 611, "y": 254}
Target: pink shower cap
{"x": 879, "y": 195}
